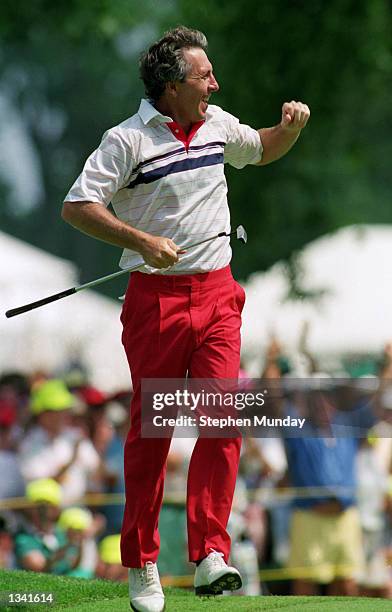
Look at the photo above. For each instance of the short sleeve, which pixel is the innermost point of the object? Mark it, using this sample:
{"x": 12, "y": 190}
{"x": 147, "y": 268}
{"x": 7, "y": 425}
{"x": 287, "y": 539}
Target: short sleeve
{"x": 105, "y": 171}
{"x": 243, "y": 145}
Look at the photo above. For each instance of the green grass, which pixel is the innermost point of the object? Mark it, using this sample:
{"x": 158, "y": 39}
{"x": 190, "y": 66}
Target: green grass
{"x": 72, "y": 594}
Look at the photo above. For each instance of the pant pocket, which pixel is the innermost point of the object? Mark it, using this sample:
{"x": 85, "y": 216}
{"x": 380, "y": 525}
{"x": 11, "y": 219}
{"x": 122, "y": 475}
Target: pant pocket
{"x": 240, "y": 296}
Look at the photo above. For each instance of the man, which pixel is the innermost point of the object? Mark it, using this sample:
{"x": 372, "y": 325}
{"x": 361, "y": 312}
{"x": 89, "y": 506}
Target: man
{"x": 12, "y": 482}
{"x": 42, "y": 545}
{"x": 162, "y": 169}
{"x": 325, "y": 531}
{"x": 52, "y": 449}
{"x": 109, "y": 565}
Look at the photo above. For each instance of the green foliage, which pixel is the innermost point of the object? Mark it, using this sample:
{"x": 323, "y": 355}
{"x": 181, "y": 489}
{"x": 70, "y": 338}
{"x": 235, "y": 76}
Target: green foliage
{"x": 70, "y": 68}
{"x": 337, "y": 57}
{"x": 73, "y": 19}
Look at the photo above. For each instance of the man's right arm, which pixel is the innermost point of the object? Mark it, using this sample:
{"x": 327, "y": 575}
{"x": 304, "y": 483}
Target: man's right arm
{"x": 97, "y": 221}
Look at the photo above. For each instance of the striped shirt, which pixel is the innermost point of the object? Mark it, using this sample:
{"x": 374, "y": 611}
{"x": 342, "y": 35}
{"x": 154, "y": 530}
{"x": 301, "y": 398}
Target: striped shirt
{"x": 159, "y": 185}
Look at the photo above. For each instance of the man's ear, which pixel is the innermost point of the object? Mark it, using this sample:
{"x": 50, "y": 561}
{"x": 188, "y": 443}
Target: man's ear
{"x": 172, "y": 88}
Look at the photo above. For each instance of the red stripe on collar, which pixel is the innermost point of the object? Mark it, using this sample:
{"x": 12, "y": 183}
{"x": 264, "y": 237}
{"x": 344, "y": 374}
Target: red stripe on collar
{"x": 179, "y": 133}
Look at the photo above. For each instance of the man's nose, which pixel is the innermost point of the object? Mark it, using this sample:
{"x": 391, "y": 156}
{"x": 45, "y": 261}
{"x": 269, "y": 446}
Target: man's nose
{"x": 213, "y": 84}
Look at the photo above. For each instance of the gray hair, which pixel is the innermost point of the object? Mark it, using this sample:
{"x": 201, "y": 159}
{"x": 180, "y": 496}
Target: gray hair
{"x": 164, "y": 61}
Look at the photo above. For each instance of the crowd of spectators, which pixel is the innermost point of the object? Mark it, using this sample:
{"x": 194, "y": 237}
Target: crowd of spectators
{"x": 322, "y": 499}
{"x": 312, "y": 512}
{"x": 60, "y": 451}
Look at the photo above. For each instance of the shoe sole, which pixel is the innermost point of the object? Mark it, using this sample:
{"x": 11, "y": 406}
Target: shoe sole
{"x": 136, "y": 610}
{"x": 207, "y": 590}
{"x": 227, "y": 582}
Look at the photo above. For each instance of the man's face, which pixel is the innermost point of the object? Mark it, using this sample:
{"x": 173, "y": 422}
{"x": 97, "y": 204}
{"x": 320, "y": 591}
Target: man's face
{"x": 193, "y": 94}
{"x": 54, "y": 421}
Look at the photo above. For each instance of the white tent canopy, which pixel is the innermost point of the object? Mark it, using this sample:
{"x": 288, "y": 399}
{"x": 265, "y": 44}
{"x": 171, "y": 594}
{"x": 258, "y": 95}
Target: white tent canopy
{"x": 354, "y": 315}
{"x": 353, "y": 266}
{"x": 85, "y": 326}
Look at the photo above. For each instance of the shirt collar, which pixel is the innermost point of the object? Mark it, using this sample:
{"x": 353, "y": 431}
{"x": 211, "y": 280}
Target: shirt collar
{"x": 147, "y": 113}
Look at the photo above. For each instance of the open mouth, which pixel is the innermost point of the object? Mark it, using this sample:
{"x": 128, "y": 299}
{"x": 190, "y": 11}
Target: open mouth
{"x": 204, "y": 103}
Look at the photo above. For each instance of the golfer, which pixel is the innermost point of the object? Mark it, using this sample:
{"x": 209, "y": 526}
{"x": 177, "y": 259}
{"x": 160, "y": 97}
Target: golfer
{"x": 163, "y": 172}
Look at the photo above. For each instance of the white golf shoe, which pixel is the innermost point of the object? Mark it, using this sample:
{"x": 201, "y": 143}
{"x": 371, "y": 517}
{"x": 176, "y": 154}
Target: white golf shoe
{"x": 145, "y": 591}
{"x": 213, "y": 576}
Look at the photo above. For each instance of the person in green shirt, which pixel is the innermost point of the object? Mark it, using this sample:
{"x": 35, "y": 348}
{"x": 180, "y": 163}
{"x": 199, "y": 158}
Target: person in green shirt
{"x": 42, "y": 545}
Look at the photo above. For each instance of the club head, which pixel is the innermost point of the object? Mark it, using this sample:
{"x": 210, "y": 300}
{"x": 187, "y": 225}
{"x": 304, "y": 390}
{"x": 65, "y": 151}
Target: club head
{"x": 241, "y": 234}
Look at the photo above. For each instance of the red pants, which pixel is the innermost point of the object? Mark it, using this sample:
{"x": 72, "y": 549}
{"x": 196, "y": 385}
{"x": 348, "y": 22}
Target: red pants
{"x": 173, "y": 325}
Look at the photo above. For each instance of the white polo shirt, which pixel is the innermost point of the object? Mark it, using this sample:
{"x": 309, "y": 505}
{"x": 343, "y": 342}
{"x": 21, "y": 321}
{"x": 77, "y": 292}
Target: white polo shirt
{"x": 158, "y": 185}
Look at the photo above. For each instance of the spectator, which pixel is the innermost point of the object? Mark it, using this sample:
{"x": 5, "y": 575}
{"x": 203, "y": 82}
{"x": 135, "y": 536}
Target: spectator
{"x": 109, "y": 564}
{"x": 263, "y": 465}
{"x": 276, "y": 363}
{"x": 11, "y": 481}
{"x": 79, "y": 526}
{"x": 15, "y": 391}
{"x": 385, "y": 369}
{"x": 325, "y": 529}
{"x": 243, "y": 551}
{"x": 254, "y": 468}
{"x": 41, "y": 545}
{"x": 118, "y": 416}
{"x": 7, "y": 557}
{"x": 52, "y": 449}
{"x": 372, "y": 500}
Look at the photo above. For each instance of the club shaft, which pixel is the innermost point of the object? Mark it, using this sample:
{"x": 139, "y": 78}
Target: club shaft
{"x": 62, "y": 294}
{"x": 51, "y": 298}
{"x": 98, "y": 281}
{"x": 221, "y": 235}
{"x": 108, "y": 277}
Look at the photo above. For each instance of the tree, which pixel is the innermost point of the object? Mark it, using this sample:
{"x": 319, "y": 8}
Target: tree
{"x": 70, "y": 68}
{"x": 337, "y": 57}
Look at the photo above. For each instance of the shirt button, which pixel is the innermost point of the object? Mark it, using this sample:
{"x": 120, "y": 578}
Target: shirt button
{"x": 176, "y": 131}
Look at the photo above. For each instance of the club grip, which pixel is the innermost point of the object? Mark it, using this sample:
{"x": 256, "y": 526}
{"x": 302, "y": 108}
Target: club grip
{"x": 52, "y": 298}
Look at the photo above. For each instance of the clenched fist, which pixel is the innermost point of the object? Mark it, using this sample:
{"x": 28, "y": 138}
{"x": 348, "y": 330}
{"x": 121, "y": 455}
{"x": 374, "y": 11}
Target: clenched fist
{"x": 159, "y": 252}
{"x": 295, "y": 115}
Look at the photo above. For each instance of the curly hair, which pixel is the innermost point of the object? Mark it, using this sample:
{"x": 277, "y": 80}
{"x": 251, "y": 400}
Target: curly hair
{"x": 164, "y": 61}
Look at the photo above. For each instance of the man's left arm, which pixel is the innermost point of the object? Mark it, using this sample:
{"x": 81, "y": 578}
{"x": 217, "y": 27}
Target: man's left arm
{"x": 278, "y": 140}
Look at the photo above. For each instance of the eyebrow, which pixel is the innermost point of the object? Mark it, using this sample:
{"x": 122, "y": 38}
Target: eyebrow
{"x": 204, "y": 71}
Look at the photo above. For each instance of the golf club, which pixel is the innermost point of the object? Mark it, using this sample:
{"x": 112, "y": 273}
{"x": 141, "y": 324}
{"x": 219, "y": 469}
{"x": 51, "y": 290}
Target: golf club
{"x": 240, "y": 233}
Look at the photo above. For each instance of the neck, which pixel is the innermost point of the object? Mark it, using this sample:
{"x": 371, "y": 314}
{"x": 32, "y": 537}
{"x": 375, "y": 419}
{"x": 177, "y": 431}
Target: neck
{"x": 164, "y": 107}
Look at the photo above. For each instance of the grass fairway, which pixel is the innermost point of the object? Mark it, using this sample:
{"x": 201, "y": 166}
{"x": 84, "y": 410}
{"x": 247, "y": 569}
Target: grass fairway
{"x": 72, "y": 594}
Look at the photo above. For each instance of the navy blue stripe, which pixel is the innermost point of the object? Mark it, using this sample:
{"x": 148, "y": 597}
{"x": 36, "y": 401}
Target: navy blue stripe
{"x": 206, "y": 145}
{"x": 175, "y": 152}
{"x": 178, "y": 166}
{"x": 158, "y": 158}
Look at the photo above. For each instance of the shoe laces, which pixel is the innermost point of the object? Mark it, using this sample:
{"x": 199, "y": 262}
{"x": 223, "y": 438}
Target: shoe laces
{"x": 216, "y": 558}
{"x": 147, "y": 574}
